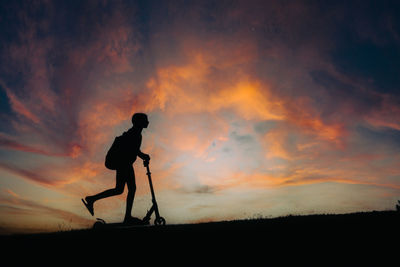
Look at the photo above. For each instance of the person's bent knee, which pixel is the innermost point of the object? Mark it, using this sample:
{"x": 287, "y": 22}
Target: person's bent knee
{"x": 119, "y": 190}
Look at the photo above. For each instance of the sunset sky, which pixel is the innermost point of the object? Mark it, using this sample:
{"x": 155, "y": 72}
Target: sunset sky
{"x": 256, "y": 108}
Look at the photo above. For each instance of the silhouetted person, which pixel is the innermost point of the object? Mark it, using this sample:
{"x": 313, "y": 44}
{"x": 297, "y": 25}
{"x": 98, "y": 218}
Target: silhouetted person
{"x": 120, "y": 157}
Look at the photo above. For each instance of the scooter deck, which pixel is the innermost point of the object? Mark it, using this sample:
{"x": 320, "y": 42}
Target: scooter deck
{"x": 101, "y": 224}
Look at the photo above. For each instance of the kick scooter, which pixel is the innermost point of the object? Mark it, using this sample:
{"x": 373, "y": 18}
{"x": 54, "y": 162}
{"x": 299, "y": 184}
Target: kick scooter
{"x": 158, "y": 220}
{"x": 100, "y": 223}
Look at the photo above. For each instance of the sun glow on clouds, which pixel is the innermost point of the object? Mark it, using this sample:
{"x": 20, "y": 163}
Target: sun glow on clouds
{"x": 238, "y": 116}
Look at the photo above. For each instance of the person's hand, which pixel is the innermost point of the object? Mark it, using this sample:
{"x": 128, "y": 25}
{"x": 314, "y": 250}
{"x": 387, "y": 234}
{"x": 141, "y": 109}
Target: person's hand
{"x": 146, "y": 160}
{"x": 146, "y": 157}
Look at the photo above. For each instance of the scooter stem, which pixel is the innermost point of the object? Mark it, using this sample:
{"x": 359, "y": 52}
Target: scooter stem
{"x": 146, "y": 164}
{"x": 154, "y": 207}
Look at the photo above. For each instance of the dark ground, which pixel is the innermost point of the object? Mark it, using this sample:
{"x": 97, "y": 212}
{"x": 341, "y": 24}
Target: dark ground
{"x": 357, "y": 239}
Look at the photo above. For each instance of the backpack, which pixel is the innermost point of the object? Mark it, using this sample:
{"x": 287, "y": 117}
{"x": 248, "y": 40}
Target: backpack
{"x": 115, "y": 153}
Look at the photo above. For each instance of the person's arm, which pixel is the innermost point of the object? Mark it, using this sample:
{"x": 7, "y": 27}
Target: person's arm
{"x": 143, "y": 156}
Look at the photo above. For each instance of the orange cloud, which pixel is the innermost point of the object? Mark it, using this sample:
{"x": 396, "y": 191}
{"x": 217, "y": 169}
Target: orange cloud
{"x": 31, "y": 175}
{"x": 296, "y": 178}
{"x": 250, "y": 101}
{"x": 57, "y": 176}
{"x": 192, "y": 89}
{"x": 96, "y": 124}
{"x": 275, "y": 144}
{"x": 7, "y": 142}
{"x": 300, "y": 112}
{"x": 12, "y": 193}
{"x": 19, "y": 106}
{"x": 182, "y": 135}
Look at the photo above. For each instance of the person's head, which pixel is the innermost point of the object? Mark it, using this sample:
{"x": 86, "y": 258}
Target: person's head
{"x": 140, "y": 120}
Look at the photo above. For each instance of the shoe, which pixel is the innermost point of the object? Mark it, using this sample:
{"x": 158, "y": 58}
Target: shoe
{"x": 133, "y": 221}
{"x": 145, "y": 221}
{"x": 88, "y": 206}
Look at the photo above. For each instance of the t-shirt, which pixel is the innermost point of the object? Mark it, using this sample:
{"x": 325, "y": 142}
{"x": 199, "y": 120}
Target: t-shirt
{"x": 132, "y": 140}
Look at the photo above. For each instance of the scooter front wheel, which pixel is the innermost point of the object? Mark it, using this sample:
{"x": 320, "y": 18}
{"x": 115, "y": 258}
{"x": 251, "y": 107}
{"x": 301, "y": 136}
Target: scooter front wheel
{"x": 159, "y": 221}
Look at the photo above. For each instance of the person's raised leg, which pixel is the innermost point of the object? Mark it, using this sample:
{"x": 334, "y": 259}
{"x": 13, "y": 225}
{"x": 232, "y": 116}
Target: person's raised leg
{"x": 119, "y": 189}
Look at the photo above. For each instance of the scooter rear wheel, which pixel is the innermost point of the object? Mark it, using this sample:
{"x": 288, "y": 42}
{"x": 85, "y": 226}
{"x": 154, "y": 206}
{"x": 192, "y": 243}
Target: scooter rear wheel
{"x": 159, "y": 221}
{"x": 99, "y": 223}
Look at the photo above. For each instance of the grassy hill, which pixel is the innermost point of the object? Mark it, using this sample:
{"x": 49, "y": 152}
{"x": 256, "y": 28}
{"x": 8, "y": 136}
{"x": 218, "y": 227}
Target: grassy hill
{"x": 357, "y": 239}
